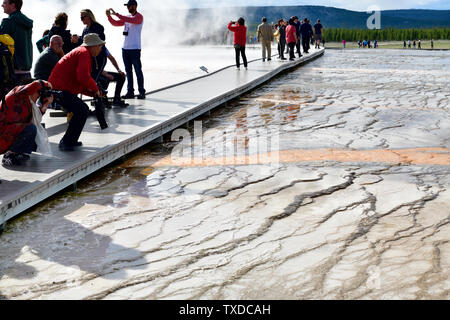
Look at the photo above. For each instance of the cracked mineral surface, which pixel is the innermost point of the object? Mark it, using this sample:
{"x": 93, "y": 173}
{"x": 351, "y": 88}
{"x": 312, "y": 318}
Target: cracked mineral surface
{"x": 329, "y": 182}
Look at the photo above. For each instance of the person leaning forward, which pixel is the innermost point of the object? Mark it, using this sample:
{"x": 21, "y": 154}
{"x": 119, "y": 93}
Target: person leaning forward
{"x": 72, "y": 76}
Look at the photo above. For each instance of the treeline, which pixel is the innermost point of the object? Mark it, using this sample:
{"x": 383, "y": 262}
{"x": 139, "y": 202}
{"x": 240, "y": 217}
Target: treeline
{"x": 390, "y": 34}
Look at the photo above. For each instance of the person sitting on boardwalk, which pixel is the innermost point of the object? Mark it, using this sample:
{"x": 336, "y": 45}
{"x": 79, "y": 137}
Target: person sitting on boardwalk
{"x": 291, "y": 39}
{"x": 239, "y": 40}
{"x": 265, "y": 37}
{"x": 72, "y": 76}
{"x": 17, "y": 128}
{"x": 118, "y": 77}
{"x": 49, "y": 58}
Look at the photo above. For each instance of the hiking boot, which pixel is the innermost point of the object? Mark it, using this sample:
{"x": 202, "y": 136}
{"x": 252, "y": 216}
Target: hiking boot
{"x": 120, "y": 103}
{"x": 65, "y": 147}
{"x": 269, "y": 59}
{"x": 128, "y": 96}
{"x": 23, "y": 157}
{"x": 106, "y": 103}
{"x": 141, "y": 96}
{"x": 11, "y": 159}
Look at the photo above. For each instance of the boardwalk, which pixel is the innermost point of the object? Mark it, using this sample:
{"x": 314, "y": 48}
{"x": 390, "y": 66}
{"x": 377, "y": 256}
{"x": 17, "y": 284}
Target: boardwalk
{"x": 129, "y": 129}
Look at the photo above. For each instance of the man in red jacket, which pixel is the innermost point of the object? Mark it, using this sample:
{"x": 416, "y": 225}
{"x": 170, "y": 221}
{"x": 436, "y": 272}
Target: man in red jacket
{"x": 72, "y": 76}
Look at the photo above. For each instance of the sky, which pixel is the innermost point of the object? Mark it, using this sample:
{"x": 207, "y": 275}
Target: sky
{"x": 359, "y": 5}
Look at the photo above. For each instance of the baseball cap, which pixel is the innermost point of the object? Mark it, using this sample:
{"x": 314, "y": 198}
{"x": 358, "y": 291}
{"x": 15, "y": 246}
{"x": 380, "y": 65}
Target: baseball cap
{"x": 131, "y": 3}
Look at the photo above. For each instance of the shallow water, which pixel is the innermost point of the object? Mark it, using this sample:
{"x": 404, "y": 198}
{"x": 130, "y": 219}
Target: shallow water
{"x": 329, "y": 182}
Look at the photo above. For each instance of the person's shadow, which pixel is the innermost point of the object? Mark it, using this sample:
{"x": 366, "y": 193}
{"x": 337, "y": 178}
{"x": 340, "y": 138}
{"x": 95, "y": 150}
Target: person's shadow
{"x": 55, "y": 239}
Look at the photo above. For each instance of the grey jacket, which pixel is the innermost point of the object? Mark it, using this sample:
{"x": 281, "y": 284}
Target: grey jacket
{"x": 265, "y": 32}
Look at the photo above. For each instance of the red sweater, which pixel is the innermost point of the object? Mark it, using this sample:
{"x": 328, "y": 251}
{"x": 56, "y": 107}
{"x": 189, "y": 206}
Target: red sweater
{"x": 240, "y": 34}
{"x": 73, "y": 73}
{"x": 290, "y": 34}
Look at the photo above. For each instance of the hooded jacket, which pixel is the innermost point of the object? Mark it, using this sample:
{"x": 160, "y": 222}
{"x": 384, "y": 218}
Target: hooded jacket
{"x": 20, "y": 28}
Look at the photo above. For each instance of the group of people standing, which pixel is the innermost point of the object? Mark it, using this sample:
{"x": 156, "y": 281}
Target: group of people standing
{"x": 417, "y": 43}
{"x": 72, "y": 65}
{"x": 290, "y": 34}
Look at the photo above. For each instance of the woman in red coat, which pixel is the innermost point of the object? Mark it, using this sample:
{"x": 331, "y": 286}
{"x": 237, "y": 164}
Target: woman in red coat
{"x": 240, "y": 40}
{"x": 17, "y": 131}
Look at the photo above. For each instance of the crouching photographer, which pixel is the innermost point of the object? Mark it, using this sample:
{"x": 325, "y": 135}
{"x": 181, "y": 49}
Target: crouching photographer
{"x": 20, "y": 130}
{"x": 72, "y": 76}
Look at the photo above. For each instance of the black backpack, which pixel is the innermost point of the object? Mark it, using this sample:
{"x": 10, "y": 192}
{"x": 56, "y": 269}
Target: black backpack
{"x": 6, "y": 70}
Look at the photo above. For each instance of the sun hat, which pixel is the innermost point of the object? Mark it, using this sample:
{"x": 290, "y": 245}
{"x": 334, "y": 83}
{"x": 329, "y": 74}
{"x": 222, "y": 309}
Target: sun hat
{"x": 92, "y": 39}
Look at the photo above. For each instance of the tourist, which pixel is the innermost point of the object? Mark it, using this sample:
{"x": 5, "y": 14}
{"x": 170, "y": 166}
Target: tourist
{"x": 72, "y": 75}
{"x": 239, "y": 40}
{"x": 432, "y": 44}
{"x": 49, "y": 58}
{"x": 282, "y": 42}
{"x": 20, "y": 28}
{"x": 344, "y": 43}
{"x": 409, "y": 44}
{"x": 118, "y": 77}
{"x": 404, "y": 44}
{"x": 419, "y": 45}
{"x": 43, "y": 42}
{"x": 318, "y": 31}
{"x": 414, "y": 44}
{"x": 297, "y": 25}
{"x": 306, "y": 32}
{"x": 265, "y": 37}
{"x": 291, "y": 38}
{"x": 18, "y": 125}
{"x": 59, "y": 28}
{"x": 131, "y": 51}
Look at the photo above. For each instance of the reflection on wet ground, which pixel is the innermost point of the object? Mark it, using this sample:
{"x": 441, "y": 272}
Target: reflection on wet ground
{"x": 329, "y": 182}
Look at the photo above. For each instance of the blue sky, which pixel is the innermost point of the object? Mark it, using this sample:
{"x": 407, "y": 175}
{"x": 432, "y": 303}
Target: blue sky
{"x": 359, "y": 5}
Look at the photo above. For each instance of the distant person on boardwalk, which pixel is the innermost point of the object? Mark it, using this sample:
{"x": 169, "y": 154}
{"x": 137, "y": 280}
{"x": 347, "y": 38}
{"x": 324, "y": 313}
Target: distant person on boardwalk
{"x": 239, "y": 40}
{"x": 414, "y": 44}
{"x": 291, "y": 38}
{"x": 306, "y": 32}
{"x": 72, "y": 76}
{"x": 282, "y": 36}
{"x": 131, "y": 50}
{"x": 18, "y": 127}
{"x": 404, "y": 44}
{"x": 360, "y": 44}
{"x": 344, "y": 43}
{"x": 318, "y": 31}
{"x": 297, "y": 25}
{"x": 409, "y": 44}
{"x": 43, "y": 42}
{"x": 265, "y": 37}
{"x": 20, "y": 28}
{"x": 59, "y": 29}
{"x": 432, "y": 44}
{"x": 419, "y": 44}
{"x": 48, "y": 59}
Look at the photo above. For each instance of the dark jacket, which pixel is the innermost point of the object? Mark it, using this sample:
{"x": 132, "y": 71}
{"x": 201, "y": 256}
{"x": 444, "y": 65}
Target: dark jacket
{"x": 20, "y": 28}
{"x": 306, "y": 30}
{"x": 45, "y": 64}
{"x": 282, "y": 30}
{"x": 66, "y": 36}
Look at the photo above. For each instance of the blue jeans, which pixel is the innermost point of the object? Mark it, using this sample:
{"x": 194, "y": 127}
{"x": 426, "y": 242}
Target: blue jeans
{"x": 132, "y": 58}
{"x": 25, "y": 142}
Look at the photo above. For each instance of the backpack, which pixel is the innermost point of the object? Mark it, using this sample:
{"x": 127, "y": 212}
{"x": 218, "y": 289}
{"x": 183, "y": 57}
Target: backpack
{"x": 6, "y": 64}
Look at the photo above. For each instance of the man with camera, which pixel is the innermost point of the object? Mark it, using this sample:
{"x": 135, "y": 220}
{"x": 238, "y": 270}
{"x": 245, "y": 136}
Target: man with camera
{"x": 131, "y": 51}
{"x": 18, "y": 126}
{"x": 72, "y": 76}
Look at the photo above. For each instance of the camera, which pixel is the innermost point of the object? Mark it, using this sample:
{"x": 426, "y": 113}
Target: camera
{"x": 125, "y": 33}
{"x": 46, "y": 93}
{"x": 100, "y": 109}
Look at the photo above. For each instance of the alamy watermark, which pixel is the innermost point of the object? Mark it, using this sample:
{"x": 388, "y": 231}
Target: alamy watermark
{"x": 232, "y": 146}
{"x": 374, "y": 21}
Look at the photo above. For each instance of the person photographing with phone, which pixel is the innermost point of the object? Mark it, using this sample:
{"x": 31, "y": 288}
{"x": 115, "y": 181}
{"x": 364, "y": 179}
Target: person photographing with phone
{"x": 239, "y": 40}
{"x": 131, "y": 50}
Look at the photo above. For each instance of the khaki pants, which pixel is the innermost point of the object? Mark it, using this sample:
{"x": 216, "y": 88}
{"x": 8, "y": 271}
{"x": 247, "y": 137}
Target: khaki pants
{"x": 266, "y": 45}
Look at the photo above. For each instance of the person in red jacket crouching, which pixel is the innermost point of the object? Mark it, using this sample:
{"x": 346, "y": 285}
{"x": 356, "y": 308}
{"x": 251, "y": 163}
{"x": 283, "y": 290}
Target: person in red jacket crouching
{"x": 240, "y": 40}
{"x": 72, "y": 76}
{"x": 17, "y": 122}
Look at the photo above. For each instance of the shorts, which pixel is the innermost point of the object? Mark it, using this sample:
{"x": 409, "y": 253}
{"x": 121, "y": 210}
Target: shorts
{"x": 318, "y": 36}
